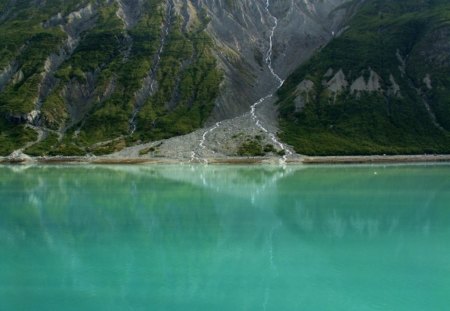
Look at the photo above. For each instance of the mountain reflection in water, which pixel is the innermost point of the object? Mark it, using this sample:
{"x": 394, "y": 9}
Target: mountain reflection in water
{"x": 182, "y": 237}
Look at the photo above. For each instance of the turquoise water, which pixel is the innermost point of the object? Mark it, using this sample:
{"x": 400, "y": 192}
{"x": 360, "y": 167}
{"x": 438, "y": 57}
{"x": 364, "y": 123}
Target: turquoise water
{"x": 225, "y": 238}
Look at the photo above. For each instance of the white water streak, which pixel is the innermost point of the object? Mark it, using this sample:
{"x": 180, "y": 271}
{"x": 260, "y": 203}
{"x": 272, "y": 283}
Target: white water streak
{"x": 253, "y": 107}
{"x": 193, "y": 157}
{"x": 280, "y": 81}
{"x": 203, "y": 140}
{"x": 270, "y": 50}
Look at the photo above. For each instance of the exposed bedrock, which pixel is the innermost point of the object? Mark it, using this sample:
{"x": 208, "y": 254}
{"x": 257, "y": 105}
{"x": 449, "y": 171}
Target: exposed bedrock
{"x": 129, "y": 11}
{"x": 241, "y": 30}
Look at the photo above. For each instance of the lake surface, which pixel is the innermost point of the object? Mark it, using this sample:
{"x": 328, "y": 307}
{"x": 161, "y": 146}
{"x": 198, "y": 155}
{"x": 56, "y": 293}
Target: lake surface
{"x": 225, "y": 238}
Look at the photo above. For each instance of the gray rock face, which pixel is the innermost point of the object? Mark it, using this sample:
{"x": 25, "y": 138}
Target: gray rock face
{"x": 129, "y": 12}
{"x": 304, "y": 92}
{"x": 338, "y": 83}
{"x": 437, "y": 51}
{"x": 7, "y": 8}
{"x": 6, "y": 74}
{"x": 80, "y": 97}
{"x": 371, "y": 85}
{"x": 427, "y": 82}
{"x": 394, "y": 89}
{"x": 73, "y": 25}
{"x": 241, "y": 30}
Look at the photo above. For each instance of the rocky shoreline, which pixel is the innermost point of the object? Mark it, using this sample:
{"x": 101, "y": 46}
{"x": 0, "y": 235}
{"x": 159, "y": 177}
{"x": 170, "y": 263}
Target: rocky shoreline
{"x": 306, "y": 160}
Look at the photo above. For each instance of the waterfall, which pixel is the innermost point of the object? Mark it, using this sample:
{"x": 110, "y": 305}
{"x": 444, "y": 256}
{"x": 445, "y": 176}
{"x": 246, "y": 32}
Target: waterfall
{"x": 280, "y": 83}
{"x": 270, "y": 50}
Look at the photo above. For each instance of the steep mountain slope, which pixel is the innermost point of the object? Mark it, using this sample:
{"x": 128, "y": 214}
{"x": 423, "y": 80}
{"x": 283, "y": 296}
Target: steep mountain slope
{"x": 241, "y": 31}
{"x": 383, "y": 86}
{"x": 84, "y": 72}
{"x": 91, "y": 76}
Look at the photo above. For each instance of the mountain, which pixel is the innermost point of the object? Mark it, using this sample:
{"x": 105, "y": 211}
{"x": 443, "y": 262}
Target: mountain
{"x": 82, "y": 72}
{"x": 383, "y": 86}
{"x": 90, "y": 76}
{"x": 197, "y": 78}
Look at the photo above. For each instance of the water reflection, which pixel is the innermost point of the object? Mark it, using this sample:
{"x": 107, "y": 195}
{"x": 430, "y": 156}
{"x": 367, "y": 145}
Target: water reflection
{"x": 335, "y": 201}
{"x": 185, "y": 237}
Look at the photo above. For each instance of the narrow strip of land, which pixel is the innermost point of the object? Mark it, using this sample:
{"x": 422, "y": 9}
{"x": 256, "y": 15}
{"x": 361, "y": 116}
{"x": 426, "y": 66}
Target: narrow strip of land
{"x": 307, "y": 160}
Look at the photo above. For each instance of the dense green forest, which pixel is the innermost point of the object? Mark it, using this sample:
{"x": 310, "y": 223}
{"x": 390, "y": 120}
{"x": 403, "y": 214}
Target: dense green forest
{"x": 381, "y": 87}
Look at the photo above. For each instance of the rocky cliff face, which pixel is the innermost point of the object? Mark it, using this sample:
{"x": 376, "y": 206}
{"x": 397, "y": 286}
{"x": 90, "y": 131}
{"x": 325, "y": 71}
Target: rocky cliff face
{"x": 241, "y": 31}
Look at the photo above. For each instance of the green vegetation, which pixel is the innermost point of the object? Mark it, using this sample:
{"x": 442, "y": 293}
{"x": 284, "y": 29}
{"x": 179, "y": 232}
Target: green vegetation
{"x": 12, "y": 137}
{"x": 44, "y": 147}
{"x": 113, "y": 146}
{"x": 147, "y": 151}
{"x": 94, "y": 90}
{"x": 51, "y": 146}
{"x": 376, "y": 122}
{"x": 186, "y": 75}
{"x": 253, "y": 147}
{"x": 188, "y": 58}
{"x": 25, "y": 41}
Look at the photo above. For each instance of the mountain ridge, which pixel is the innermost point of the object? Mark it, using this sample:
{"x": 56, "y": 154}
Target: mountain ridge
{"x": 95, "y": 76}
{"x": 194, "y": 79}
